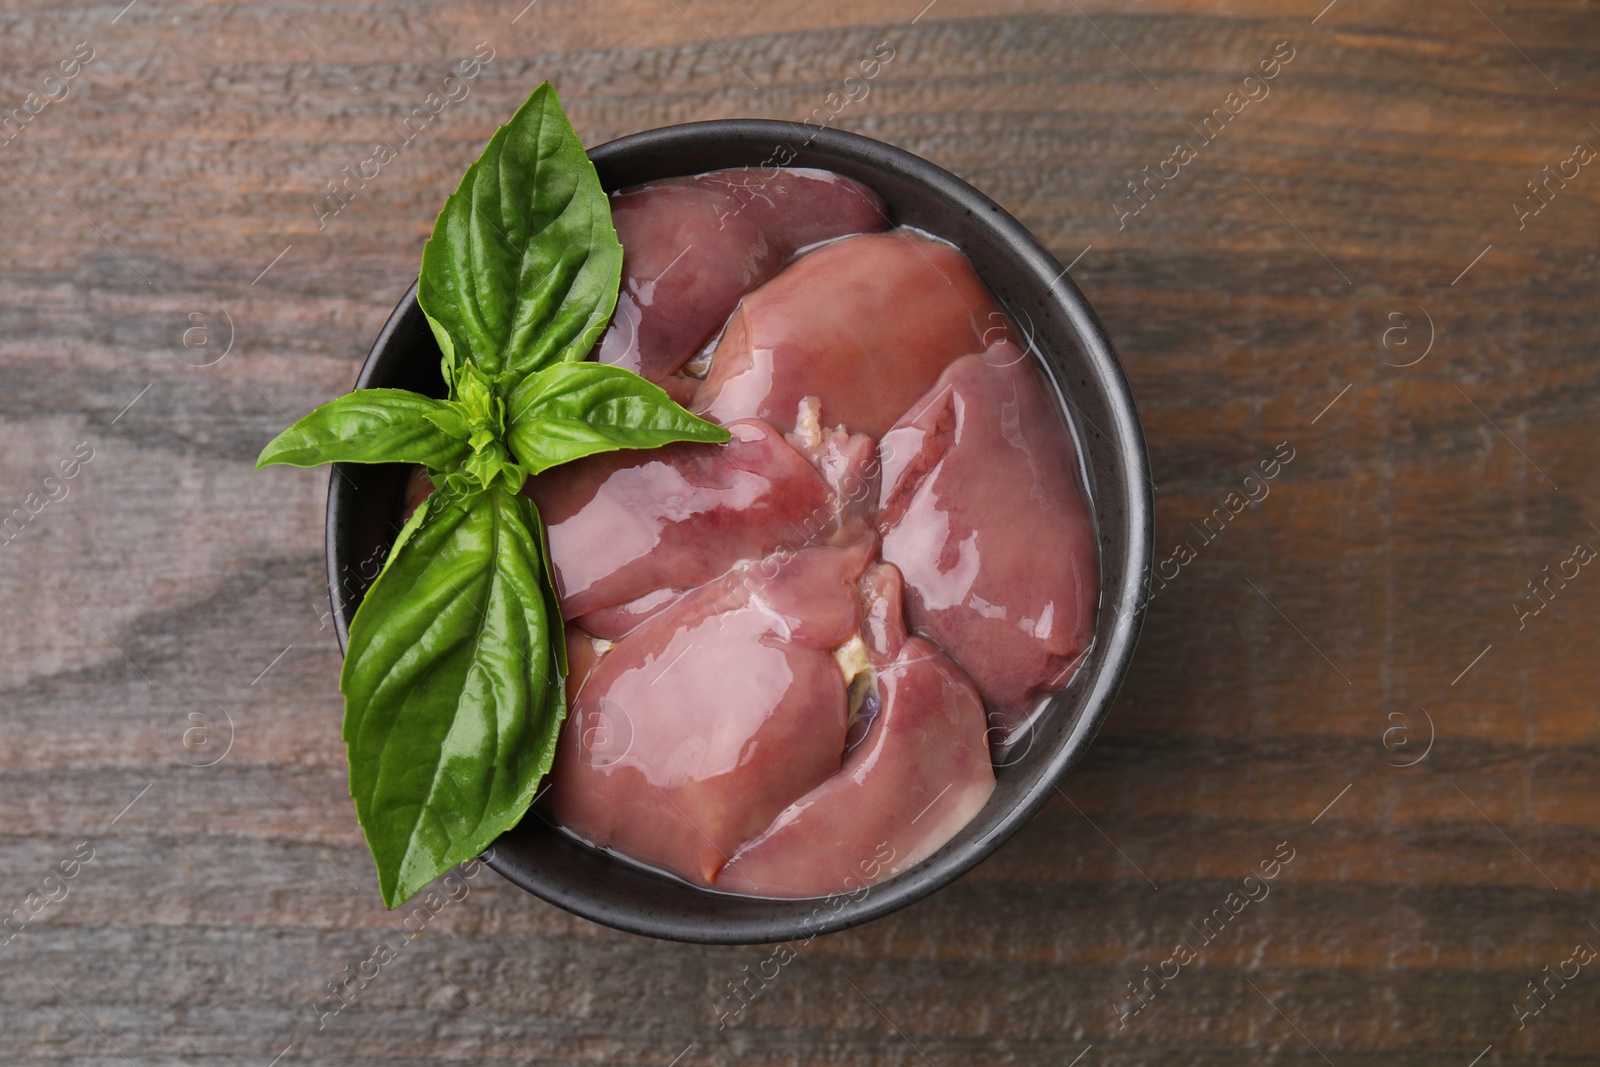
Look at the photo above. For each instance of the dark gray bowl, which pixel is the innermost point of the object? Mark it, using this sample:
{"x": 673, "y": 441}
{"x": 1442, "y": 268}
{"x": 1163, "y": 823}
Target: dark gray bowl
{"x": 1072, "y": 347}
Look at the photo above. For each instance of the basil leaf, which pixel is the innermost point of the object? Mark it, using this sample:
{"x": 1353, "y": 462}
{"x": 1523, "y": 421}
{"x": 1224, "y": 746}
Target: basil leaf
{"x": 449, "y": 419}
{"x": 447, "y": 348}
{"x": 572, "y": 410}
{"x": 552, "y": 607}
{"x": 368, "y": 426}
{"x": 524, "y": 265}
{"x": 453, "y": 696}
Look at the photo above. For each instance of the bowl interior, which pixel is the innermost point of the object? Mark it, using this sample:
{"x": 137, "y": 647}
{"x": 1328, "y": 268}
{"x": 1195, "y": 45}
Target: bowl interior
{"x": 1072, "y": 348}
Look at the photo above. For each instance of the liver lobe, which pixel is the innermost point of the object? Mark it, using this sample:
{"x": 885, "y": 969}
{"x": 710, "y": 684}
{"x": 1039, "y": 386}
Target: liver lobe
{"x": 918, "y": 776}
{"x": 627, "y": 524}
{"x": 982, "y": 511}
{"x": 866, "y": 324}
{"x": 693, "y": 246}
{"x": 717, "y": 712}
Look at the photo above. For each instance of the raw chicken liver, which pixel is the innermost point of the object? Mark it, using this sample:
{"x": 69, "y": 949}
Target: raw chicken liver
{"x": 693, "y": 246}
{"x": 789, "y": 652}
{"x": 730, "y": 704}
{"x": 982, "y": 513}
{"x": 866, "y": 324}
{"x": 627, "y": 524}
{"x": 919, "y": 775}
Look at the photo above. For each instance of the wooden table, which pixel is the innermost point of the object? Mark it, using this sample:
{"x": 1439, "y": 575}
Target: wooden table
{"x": 1350, "y": 264}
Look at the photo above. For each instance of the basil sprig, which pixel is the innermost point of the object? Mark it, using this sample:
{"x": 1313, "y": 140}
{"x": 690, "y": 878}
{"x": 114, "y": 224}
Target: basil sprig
{"x": 455, "y": 676}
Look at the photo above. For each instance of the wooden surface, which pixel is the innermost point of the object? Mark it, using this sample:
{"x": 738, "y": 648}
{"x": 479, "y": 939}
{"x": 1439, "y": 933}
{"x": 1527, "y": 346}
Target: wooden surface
{"x": 172, "y": 590}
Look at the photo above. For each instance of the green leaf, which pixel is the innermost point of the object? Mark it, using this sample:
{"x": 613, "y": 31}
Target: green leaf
{"x": 572, "y": 410}
{"x": 368, "y": 426}
{"x": 451, "y": 422}
{"x": 447, "y": 349}
{"x": 453, "y": 693}
{"x": 524, "y": 265}
{"x": 552, "y": 608}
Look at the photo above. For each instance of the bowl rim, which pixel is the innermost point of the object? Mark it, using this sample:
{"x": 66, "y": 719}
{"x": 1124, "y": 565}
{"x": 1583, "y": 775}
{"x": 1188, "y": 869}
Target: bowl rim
{"x": 1125, "y": 435}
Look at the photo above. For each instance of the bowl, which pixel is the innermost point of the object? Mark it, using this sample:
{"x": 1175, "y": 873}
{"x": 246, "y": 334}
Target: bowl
{"x": 1069, "y": 344}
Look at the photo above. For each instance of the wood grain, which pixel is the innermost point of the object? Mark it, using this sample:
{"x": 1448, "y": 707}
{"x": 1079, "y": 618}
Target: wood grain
{"x": 172, "y": 590}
